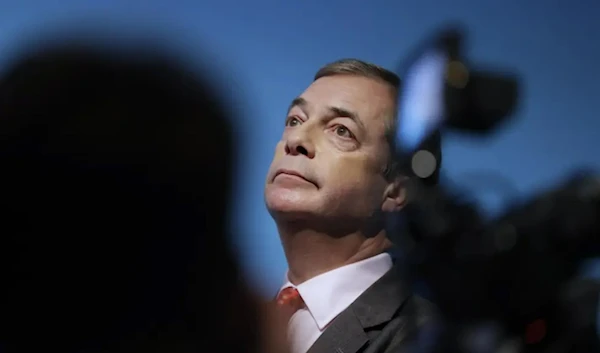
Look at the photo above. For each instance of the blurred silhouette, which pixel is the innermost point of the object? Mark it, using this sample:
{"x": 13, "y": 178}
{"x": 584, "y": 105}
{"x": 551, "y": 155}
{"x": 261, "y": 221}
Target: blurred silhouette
{"x": 115, "y": 177}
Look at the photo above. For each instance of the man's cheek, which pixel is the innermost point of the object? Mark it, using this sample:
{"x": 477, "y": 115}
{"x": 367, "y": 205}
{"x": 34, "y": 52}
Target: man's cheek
{"x": 348, "y": 175}
{"x": 280, "y": 149}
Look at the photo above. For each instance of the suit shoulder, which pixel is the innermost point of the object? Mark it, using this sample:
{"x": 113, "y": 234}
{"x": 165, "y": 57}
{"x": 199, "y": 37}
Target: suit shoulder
{"x": 424, "y": 310}
{"x": 420, "y": 316}
{"x": 400, "y": 334}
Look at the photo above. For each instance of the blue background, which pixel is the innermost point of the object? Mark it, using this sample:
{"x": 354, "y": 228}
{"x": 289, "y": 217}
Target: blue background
{"x": 268, "y": 51}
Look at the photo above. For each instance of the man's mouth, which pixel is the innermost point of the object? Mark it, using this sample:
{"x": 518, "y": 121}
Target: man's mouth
{"x": 292, "y": 174}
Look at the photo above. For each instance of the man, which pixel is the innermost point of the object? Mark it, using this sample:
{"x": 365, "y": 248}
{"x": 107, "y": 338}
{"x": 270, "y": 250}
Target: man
{"x": 330, "y": 183}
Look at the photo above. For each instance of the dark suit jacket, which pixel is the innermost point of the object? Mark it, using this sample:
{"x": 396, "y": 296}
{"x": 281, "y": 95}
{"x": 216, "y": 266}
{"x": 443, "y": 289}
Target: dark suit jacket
{"x": 385, "y": 318}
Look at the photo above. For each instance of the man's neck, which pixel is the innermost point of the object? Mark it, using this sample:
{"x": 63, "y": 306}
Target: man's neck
{"x": 310, "y": 253}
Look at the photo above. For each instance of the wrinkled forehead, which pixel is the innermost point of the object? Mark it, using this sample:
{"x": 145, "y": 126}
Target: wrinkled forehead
{"x": 370, "y": 100}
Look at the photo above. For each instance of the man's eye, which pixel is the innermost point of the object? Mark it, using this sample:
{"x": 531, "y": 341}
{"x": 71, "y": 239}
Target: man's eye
{"x": 292, "y": 121}
{"x": 343, "y": 131}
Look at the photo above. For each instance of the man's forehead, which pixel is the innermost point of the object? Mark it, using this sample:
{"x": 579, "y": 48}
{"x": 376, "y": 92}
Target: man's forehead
{"x": 348, "y": 89}
{"x": 367, "y": 98}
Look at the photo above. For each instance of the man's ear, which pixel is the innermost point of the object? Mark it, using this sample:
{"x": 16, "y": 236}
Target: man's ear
{"x": 394, "y": 197}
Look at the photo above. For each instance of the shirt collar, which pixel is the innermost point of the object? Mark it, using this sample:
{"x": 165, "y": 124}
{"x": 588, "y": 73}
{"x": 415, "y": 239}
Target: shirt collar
{"x": 330, "y": 293}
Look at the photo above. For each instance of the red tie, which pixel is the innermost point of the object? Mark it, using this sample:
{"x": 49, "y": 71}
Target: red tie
{"x": 289, "y": 301}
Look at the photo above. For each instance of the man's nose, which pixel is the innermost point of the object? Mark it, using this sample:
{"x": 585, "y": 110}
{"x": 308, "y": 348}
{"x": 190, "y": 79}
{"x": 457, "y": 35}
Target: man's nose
{"x": 300, "y": 143}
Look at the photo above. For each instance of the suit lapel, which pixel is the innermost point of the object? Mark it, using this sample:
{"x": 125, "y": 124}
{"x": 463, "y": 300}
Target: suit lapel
{"x": 376, "y": 306}
{"x": 344, "y": 335}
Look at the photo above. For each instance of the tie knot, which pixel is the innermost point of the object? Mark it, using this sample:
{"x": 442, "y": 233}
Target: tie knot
{"x": 290, "y": 299}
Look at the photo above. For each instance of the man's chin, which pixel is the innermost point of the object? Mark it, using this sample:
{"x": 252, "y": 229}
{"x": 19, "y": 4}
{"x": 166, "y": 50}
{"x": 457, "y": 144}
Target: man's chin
{"x": 288, "y": 203}
{"x": 286, "y": 209}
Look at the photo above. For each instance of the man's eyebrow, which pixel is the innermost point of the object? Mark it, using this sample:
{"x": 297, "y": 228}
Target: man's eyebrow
{"x": 345, "y": 113}
{"x": 297, "y": 102}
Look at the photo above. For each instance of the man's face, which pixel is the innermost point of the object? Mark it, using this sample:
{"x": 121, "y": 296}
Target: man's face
{"x": 329, "y": 162}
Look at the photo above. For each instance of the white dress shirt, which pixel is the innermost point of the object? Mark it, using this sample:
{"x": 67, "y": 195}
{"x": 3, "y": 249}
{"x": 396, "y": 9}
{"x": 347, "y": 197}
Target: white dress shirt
{"x": 328, "y": 294}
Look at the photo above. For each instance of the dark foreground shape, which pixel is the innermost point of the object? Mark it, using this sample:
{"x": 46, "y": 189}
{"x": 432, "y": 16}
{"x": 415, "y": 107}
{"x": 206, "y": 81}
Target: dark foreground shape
{"x": 114, "y": 180}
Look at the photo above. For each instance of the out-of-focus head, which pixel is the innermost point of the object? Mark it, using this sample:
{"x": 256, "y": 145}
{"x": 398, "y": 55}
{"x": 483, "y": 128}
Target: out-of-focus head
{"x": 115, "y": 179}
{"x": 333, "y": 161}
